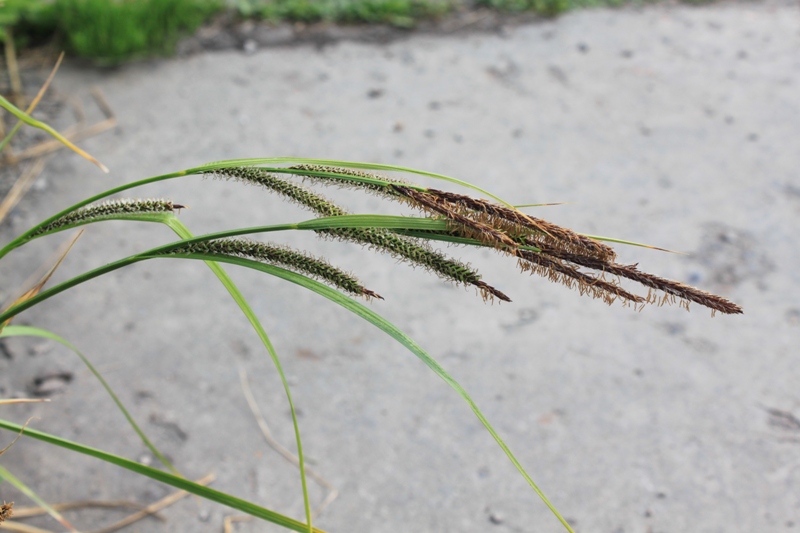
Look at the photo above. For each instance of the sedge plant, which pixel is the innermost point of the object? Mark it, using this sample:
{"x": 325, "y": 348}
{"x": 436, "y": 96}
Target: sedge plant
{"x": 585, "y": 263}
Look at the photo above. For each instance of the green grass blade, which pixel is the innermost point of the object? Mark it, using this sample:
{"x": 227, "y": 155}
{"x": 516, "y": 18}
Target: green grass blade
{"x": 631, "y": 243}
{"x": 320, "y": 223}
{"x": 22, "y": 239}
{"x": 390, "y": 329}
{"x": 374, "y": 221}
{"x": 29, "y": 331}
{"x": 27, "y": 491}
{"x": 167, "y": 478}
{"x": 183, "y": 232}
{"x": 329, "y": 293}
{"x": 30, "y": 121}
{"x": 61, "y": 287}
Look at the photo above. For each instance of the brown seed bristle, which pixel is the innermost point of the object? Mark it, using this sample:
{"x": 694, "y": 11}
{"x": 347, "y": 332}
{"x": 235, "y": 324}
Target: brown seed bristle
{"x": 368, "y": 294}
{"x": 474, "y": 229}
{"x": 6, "y": 510}
{"x": 672, "y": 289}
{"x": 553, "y": 269}
{"x": 488, "y": 292}
{"x": 513, "y": 221}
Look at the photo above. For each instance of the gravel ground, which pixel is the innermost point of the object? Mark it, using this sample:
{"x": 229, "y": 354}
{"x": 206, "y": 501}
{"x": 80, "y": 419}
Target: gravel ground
{"x": 671, "y": 125}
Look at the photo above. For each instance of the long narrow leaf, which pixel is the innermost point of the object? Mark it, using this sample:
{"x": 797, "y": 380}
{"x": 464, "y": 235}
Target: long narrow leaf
{"x": 29, "y": 331}
{"x": 27, "y": 491}
{"x": 329, "y": 293}
{"x": 165, "y": 477}
{"x": 381, "y": 323}
{"x": 30, "y": 121}
{"x": 183, "y": 232}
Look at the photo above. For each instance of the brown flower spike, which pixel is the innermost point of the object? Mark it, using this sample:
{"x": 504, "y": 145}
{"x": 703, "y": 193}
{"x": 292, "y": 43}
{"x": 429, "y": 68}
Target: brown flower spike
{"x": 6, "y": 510}
{"x": 540, "y": 247}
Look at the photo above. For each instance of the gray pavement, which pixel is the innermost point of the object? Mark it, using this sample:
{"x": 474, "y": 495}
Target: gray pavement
{"x": 675, "y": 126}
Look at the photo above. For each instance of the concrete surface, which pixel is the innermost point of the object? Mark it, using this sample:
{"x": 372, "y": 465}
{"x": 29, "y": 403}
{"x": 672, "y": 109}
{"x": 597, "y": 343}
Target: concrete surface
{"x": 676, "y": 126}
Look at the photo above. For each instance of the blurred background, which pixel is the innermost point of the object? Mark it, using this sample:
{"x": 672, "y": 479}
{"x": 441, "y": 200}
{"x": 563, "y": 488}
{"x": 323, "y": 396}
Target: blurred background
{"x": 669, "y": 124}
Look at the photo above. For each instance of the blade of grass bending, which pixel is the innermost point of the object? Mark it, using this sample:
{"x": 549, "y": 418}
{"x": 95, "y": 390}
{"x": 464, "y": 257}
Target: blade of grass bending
{"x": 30, "y": 121}
{"x": 22, "y": 239}
{"x": 631, "y": 243}
{"x": 34, "y": 103}
{"x": 347, "y": 164}
{"x": 520, "y": 206}
{"x": 62, "y": 253}
{"x": 24, "y": 489}
{"x": 171, "y": 221}
{"x": 29, "y": 331}
{"x": 319, "y": 223}
{"x": 184, "y": 233}
{"x": 25, "y": 237}
{"x": 321, "y": 289}
{"x": 165, "y": 477}
{"x": 387, "y": 327}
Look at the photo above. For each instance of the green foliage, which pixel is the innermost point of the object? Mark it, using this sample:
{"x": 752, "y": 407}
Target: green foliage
{"x": 544, "y": 7}
{"x": 111, "y": 31}
{"x": 31, "y": 20}
{"x": 400, "y": 13}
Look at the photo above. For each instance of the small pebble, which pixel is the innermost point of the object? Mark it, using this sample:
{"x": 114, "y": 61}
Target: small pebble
{"x": 250, "y": 47}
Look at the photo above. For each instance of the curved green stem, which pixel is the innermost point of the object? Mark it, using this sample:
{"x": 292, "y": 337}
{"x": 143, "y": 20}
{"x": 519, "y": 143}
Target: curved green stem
{"x": 184, "y": 233}
{"x": 329, "y": 293}
{"x": 29, "y": 120}
{"x": 165, "y": 477}
{"x": 25, "y": 237}
{"x": 10, "y": 331}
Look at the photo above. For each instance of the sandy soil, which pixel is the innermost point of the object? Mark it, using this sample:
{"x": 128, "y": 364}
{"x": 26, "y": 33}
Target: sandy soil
{"x": 675, "y": 126}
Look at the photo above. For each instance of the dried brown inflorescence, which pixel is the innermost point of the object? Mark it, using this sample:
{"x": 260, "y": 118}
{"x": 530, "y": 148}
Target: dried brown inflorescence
{"x": 540, "y": 247}
{"x": 6, "y": 510}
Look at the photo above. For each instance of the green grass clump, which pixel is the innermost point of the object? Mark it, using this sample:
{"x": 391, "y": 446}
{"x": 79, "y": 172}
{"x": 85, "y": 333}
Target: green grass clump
{"x": 31, "y": 21}
{"x": 400, "y": 13}
{"x": 110, "y": 32}
{"x": 545, "y": 7}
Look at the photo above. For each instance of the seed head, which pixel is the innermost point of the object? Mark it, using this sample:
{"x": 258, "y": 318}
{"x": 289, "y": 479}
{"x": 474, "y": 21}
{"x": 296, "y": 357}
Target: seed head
{"x": 108, "y": 209}
{"x": 280, "y": 256}
{"x": 380, "y": 239}
{"x": 339, "y": 176}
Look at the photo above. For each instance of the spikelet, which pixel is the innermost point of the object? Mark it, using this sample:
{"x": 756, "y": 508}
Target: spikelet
{"x": 672, "y": 291}
{"x": 282, "y": 256}
{"x": 6, "y": 510}
{"x": 377, "y": 238}
{"x": 297, "y": 194}
{"x": 342, "y": 181}
{"x": 517, "y": 223}
{"x": 555, "y": 270}
{"x": 478, "y": 217}
{"x": 108, "y": 209}
{"x": 463, "y": 225}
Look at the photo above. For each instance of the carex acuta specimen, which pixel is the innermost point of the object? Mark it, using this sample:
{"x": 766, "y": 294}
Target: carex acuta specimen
{"x": 539, "y": 246}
